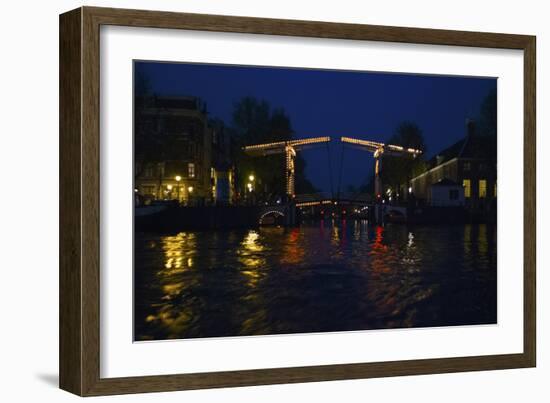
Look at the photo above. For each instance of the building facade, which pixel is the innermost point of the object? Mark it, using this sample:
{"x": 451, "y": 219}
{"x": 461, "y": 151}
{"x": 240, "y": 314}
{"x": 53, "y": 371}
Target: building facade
{"x": 471, "y": 163}
{"x": 177, "y": 152}
{"x": 446, "y": 193}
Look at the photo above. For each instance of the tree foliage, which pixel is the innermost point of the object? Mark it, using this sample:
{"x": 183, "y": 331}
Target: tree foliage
{"x": 488, "y": 115}
{"x": 255, "y": 122}
{"x": 398, "y": 170}
{"x": 148, "y": 147}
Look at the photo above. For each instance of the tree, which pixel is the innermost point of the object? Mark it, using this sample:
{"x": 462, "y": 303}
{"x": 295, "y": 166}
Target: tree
{"x": 398, "y": 170}
{"x": 488, "y": 115}
{"x": 408, "y": 134}
{"x": 254, "y": 122}
{"x": 147, "y": 144}
{"x": 302, "y": 185}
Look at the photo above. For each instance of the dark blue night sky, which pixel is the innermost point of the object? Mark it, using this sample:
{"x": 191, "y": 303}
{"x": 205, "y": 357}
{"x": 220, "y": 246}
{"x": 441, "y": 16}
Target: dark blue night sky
{"x": 334, "y": 103}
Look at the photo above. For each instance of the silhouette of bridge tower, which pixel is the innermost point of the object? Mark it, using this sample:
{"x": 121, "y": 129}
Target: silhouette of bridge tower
{"x": 378, "y": 150}
{"x": 289, "y": 148}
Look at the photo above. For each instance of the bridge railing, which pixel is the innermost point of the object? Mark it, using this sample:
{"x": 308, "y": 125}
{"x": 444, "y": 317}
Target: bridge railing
{"x": 343, "y": 196}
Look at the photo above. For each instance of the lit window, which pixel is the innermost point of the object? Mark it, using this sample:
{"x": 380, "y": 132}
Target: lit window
{"x": 482, "y": 188}
{"x": 191, "y": 170}
{"x": 467, "y": 187}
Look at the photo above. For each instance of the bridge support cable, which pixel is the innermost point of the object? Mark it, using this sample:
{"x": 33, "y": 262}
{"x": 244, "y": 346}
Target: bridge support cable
{"x": 330, "y": 173}
{"x": 289, "y": 149}
{"x": 353, "y": 196}
{"x": 340, "y": 172}
{"x": 378, "y": 150}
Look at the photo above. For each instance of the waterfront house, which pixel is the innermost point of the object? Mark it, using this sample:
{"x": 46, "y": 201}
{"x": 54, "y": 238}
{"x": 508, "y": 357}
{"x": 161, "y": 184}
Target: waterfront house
{"x": 471, "y": 163}
{"x": 179, "y": 154}
{"x": 446, "y": 193}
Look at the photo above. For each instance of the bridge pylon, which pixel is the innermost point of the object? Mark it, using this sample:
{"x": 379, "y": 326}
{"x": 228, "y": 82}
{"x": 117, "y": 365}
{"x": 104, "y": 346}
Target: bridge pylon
{"x": 289, "y": 149}
{"x": 378, "y": 150}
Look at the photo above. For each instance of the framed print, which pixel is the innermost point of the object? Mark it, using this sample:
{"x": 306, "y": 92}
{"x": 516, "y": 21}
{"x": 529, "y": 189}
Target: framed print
{"x": 249, "y": 201}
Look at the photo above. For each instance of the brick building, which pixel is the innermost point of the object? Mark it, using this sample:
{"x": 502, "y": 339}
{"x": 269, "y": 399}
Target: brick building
{"x": 178, "y": 154}
{"x": 470, "y": 162}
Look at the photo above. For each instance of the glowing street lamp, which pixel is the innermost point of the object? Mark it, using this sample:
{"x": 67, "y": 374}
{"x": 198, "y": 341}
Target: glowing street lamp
{"x": 249, "y": 185}
{"x": 178, "y": 179}
{"x": 190, "y": 189}
{"x": 251, "y": 178}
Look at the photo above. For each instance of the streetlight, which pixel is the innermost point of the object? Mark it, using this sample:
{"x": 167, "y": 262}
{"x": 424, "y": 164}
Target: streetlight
{"x": 178, "y": 179}
{"x": 251, "y": 178}
{"x": 189, "y": 191}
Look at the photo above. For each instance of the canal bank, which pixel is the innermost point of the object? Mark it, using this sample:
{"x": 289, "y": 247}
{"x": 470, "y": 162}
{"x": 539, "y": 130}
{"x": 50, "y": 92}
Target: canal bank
{"x": 175, "y": 218}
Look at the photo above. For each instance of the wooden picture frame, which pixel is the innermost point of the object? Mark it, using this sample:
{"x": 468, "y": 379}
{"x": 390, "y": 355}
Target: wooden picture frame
{"x": 79, "y": 201}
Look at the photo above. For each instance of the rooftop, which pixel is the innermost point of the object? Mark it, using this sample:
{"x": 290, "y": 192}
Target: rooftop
{"x": 473, "y": 145}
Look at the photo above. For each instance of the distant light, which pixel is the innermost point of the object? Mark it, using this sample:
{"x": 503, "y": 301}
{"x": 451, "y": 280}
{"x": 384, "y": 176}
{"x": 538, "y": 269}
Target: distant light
{"x": 251, "y": 178}
{"x": 410, "y": 189}
{"x": 190, "y": 189}
{"x": 169, "y": 187}
{"x": 178, "y": 178}
{"x": 135, "y": 190}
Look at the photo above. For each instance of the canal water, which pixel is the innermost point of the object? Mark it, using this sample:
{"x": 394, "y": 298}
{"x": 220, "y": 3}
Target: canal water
{"x": 320, "y": 277}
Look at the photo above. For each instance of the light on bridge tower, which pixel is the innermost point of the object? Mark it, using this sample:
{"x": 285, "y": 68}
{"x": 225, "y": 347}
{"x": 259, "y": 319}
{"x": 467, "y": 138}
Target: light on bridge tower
{"x": 289, "y": 149}
{"x": 377, "y": 170}
{"x": 290, "y": 172}
{"x": 378, "y": 149}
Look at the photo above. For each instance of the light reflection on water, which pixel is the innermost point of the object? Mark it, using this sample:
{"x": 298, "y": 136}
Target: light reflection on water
{"x": 322, "y": 276}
